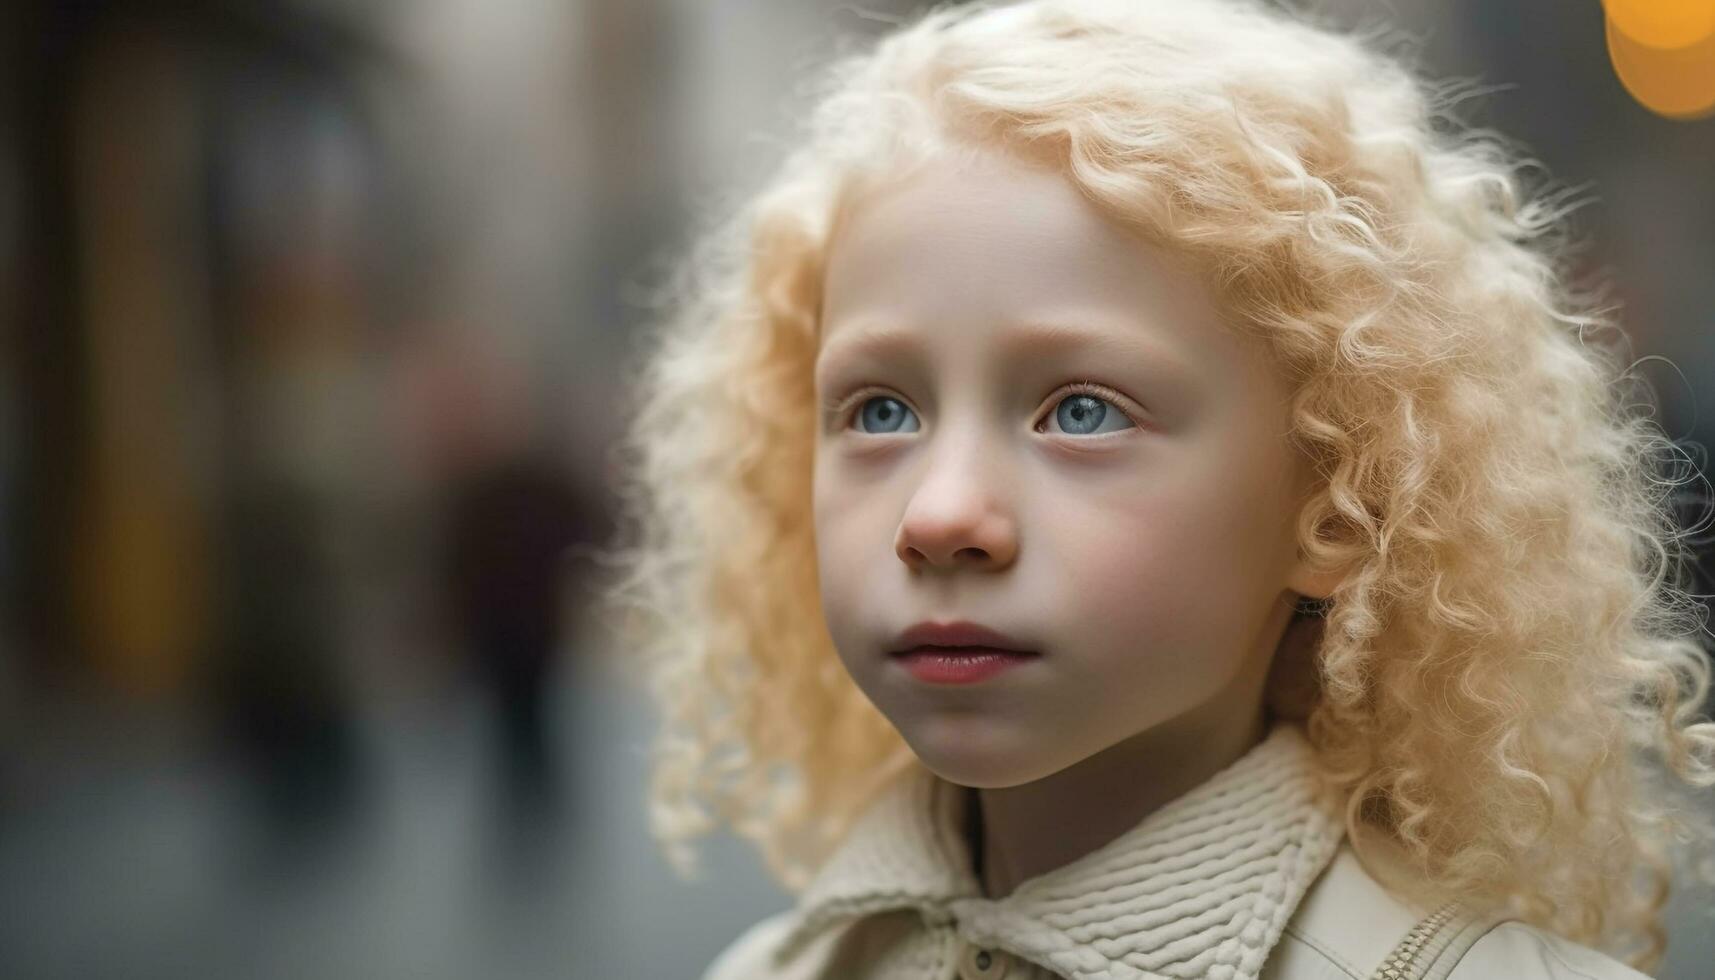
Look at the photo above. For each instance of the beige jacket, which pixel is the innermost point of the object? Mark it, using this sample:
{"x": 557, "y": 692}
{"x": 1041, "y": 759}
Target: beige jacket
{"x": 1246, "y": 877}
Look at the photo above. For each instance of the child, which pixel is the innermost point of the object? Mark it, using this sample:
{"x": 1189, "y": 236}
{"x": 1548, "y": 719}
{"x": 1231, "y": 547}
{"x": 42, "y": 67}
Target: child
{"x": 1135, "y": 497}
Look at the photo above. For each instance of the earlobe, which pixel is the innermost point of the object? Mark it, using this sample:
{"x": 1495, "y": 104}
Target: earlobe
{"x": 1314, "y": 583}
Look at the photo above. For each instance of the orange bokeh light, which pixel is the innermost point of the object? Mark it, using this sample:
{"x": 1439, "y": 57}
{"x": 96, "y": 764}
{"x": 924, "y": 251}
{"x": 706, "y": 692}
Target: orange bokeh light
{"x": 1662, "y": 23}
{"x": 1676, "y": 82}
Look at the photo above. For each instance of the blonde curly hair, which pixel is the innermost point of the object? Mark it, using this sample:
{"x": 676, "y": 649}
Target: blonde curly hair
{"x": 1513, "y": 637}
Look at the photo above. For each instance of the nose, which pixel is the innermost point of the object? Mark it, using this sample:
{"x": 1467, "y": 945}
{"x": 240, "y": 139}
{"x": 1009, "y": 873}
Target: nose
{"x": 955, "y": 519}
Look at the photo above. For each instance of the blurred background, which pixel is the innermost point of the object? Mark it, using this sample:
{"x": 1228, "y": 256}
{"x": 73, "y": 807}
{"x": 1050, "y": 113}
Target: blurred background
{"x": 314, "y": 314}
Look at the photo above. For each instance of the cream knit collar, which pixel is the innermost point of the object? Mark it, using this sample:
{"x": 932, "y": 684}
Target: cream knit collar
{"x": 1200, "y": 888}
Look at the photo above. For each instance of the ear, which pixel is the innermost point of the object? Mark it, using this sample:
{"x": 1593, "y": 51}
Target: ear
{"x": 1314, "y": 582}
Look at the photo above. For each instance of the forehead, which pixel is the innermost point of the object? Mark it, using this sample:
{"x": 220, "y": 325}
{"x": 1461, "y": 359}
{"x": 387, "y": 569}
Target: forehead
{"x": 988, "y": 240}
{"x": 967, "y": 217}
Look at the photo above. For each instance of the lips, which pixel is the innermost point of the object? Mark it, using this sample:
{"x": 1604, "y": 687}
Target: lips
{"x": 973, "y": 637}
{"x": 959, "y": 665}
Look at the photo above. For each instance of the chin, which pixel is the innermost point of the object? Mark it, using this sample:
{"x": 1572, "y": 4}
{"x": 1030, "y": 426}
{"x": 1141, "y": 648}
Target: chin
{"x": 977, "y": 782}
{"x": 966, "y": 764}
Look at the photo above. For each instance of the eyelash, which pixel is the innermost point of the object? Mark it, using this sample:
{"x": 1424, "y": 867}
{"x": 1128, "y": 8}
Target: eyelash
{"x": 847, "y": 406}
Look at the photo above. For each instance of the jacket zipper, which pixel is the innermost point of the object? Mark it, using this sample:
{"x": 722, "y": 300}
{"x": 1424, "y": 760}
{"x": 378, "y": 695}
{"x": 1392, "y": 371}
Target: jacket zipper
{"x": 1401, "y": 964}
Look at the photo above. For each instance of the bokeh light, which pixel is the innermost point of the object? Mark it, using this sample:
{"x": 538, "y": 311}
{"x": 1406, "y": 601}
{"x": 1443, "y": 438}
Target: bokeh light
{"x": 1664, "y": 54}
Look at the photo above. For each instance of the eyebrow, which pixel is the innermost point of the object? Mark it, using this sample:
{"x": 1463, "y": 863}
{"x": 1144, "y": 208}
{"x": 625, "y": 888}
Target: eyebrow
{"x": 1033, "y": 338}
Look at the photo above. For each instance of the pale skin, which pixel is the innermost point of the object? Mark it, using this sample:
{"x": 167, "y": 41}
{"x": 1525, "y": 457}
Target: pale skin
{"x": 1142, "y": 541}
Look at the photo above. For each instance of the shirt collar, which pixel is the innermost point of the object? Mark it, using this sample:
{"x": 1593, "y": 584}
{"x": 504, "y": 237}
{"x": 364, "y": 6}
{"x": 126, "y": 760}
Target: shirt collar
{"x": 1201, "y": 887}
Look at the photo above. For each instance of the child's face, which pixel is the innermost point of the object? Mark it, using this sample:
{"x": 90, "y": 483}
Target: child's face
{"x": 1142, "y": 543}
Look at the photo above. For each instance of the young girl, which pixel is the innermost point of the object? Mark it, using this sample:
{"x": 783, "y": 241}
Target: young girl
{"x": 1136, "y": 496}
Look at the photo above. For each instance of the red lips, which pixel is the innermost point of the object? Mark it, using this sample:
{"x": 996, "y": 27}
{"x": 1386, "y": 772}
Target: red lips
{"x": 961, "y": 633}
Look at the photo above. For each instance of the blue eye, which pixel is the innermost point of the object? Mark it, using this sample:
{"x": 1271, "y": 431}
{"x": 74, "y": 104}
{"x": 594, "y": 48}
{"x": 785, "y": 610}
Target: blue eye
{"x": 1084, "y": 411}
{"x": 1083, "y": 414}
{"x": 887, "y": 416}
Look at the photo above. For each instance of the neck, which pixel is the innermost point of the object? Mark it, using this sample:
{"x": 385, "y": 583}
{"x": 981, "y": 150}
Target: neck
{"x": 1020, "y": 832}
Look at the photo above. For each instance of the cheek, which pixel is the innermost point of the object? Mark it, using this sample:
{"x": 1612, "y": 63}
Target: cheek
{"x": 1135, "y": 571}
{"x": 845, "y": 533}
{"x": 1175, "y": 573}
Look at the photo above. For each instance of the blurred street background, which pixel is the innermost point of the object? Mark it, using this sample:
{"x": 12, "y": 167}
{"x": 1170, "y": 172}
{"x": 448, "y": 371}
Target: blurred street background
{"x": 311, "y": 322}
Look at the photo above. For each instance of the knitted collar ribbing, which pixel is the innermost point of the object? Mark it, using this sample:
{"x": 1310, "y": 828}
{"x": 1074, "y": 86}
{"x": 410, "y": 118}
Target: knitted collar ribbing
{"x": 1201, "y": 888}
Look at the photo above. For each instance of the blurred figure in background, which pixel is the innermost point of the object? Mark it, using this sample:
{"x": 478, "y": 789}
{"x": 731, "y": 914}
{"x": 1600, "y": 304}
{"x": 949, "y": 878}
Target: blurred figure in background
{"x": 509, "y": 523}
{"x": 510, "y": 514}
{"x": 284, "y": 707}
